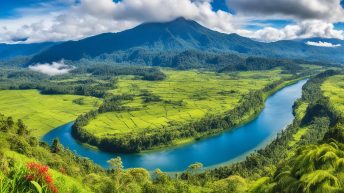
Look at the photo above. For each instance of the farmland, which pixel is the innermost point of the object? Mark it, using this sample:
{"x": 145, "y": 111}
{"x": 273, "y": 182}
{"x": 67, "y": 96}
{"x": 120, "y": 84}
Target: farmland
{"x": 41, "y": 113}
{"x": 183, "y": 96}
{"x": 333, "y": 88}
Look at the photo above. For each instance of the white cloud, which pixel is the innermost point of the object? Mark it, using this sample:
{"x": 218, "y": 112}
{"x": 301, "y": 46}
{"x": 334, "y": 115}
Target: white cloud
{"x": 326, "y": 10}
{"x": 91, "y": 17}
{"x": 304, "y": 29}
{"x": 323, "y": 44}
{"x": 56, "y": 68}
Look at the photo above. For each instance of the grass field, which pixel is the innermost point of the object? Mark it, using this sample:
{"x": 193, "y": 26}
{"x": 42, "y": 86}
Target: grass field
{"x": 42, "y": 113}
{"x": 185, "y": 96}
{"x": 333, "y": 88}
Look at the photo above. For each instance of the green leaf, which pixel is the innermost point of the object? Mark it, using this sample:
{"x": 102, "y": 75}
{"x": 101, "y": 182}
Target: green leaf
{"x": 37, "y": 186}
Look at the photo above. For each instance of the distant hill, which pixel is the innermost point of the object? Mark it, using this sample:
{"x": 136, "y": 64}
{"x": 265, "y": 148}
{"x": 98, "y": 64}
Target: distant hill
{"x": 180, "y": 35}
{"x": 8, "y": 51}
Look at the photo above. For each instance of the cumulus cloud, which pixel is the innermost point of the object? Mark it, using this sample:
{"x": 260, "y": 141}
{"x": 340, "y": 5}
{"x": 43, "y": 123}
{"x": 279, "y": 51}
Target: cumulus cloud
{"x": 304, "y": 29}
{"x": 328, "y": 10}
{"x": 56, "y": 68}
{"x": 90, "y": 17}
{"x": 323, "y": 44}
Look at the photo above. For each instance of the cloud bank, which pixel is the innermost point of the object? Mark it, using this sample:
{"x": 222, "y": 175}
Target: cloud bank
{"x": 323, "y": 44}
{"x": 328, "y": 10}
{"x": 56, "y": 68}
{"x": 90, "y": 17}
{"x": 304, "y": 29}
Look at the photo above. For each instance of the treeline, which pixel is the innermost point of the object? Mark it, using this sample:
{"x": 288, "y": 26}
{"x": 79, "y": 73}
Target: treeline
{"x": 319, "y": 118}
{"x": 250, "y": 105}
{"x": 193, "y": 59}
{"x": 91, "y": 80}
{"x": 101, "y": 69}
{"x": 89, "y": 86}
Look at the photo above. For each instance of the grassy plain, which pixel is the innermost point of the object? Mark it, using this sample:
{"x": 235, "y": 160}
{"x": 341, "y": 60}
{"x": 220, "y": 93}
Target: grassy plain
{"x": 42, "y": 113}
{"x": 333, "y": 88}
{"x": 185, "y": 96}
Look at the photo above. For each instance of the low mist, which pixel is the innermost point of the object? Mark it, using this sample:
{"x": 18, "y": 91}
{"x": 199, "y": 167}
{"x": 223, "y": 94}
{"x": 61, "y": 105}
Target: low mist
{"x": 53, "y": 69}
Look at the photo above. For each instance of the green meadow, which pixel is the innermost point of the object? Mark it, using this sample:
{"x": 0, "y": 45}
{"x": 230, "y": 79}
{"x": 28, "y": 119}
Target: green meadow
{"x": 183, "y": 96}
{"x": 41, "y": 113}
{"x": 333, "y": 88}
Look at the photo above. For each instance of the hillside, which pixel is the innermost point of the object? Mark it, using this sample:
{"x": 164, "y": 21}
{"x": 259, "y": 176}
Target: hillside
{"x": 8, "y": 51}
{"x": 181, "y": 35}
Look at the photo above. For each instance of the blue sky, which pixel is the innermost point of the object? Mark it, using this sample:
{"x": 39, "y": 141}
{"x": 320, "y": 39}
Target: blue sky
{"x": 9, "y": 8}
{"x": 268, "y": 20}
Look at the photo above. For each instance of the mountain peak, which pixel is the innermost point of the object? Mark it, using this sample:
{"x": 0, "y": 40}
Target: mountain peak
{"x": 180, "y": 19}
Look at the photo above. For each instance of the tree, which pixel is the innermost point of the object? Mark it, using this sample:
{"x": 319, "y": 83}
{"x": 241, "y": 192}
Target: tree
{"x": 193, "y": 168}
{"x": 10, "y": 122}
{"x": 120, "y": 178}
{"x": 116, "y": 165}
{"x": 56, "y": 146}
{"x": 22, "y": 130}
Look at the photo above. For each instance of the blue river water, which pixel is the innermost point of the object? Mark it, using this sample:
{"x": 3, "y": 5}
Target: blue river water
{"x": 229, "y": 146}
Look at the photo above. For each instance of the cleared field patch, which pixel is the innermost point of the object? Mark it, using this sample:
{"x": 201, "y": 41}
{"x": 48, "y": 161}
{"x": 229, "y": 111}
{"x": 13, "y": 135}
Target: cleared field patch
{"x": 333, "y": 88}
{"x": 42, "y": 113}
{"x": 183, "y": 96}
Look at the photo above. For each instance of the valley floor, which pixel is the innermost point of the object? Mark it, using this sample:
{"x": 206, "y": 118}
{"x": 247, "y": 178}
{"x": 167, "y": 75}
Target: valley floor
{"x": 182, "y": 97}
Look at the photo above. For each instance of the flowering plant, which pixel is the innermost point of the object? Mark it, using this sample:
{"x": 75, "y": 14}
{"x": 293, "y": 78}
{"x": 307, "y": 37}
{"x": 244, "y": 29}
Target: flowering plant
{"x": 40, "y": 174}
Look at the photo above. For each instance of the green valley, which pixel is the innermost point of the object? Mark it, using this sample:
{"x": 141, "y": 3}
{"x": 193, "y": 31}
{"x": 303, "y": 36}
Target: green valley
{"x": 183, "y": 96}
{"x": 298, "y": 160}
{"x": 185, "y": 106}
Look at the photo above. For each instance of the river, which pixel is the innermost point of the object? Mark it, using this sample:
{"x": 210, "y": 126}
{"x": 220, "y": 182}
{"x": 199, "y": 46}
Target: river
{"x": 229, "y": 146}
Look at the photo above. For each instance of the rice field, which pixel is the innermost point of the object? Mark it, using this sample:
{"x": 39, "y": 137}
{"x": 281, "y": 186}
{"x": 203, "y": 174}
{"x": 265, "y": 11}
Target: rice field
{"x": 333, "y": 88}
{"x": 185, "y": 96}
{"x": 41, "y": 113}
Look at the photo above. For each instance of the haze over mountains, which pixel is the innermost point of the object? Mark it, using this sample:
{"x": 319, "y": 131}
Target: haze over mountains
{"x": 182, "y": 34}
{"x": 8, "y": 51}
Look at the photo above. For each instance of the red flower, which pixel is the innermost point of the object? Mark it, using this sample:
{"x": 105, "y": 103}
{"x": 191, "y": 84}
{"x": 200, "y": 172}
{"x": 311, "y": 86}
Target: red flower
{"x": 48, "y": 179}
{"x": 40, "y": 174}
{"x": 53, "y": 189}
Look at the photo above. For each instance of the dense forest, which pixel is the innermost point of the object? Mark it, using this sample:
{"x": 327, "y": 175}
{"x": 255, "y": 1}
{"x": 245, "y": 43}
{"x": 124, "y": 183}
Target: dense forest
{"x": 193, "y": 59}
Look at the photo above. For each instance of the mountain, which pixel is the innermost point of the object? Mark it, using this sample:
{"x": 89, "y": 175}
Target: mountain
{"x": 180, "y": 35}
{"x": 8, "y": 51}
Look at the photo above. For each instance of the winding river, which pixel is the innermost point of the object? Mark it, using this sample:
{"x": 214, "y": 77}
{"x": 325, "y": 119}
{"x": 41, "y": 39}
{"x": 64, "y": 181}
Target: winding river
{"x": 227, "y": 147}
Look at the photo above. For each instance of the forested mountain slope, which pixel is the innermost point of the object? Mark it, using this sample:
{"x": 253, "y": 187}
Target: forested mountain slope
{"x": 180, "y": 35}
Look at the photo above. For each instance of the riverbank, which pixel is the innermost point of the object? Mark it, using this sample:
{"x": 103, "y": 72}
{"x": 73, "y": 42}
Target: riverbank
{"x": 177, "y": 135}
{"x": 211, "y": 151}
